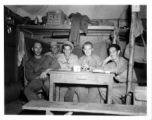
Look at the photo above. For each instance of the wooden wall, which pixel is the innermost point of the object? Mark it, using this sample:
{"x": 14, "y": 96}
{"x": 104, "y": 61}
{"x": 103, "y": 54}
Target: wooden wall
{"x": 12, "y": 87}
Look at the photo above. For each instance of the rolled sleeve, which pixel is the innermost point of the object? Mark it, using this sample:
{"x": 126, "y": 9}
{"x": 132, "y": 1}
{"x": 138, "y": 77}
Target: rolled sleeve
{"x": 122, "y": 66}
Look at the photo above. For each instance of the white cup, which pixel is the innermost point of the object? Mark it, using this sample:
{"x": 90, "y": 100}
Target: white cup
{"x": 76, "y": 68}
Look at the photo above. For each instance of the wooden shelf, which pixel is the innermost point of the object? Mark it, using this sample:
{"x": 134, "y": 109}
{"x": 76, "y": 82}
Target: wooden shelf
{"x": 34, "y": 29}
{"x": 64, "y": 27}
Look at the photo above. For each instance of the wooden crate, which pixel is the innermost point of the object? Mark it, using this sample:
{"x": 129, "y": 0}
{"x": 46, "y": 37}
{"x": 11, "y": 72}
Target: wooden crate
{"x": 55, "y": 18}
{"x": 140, "y": 96}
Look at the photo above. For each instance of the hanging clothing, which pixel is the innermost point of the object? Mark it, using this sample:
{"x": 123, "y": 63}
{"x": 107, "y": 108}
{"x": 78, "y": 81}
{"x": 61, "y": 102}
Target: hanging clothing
{"x": 26, "y": 57}
{"x": 138, "y": 28}
{"x": 78, "y": 22}
{"x": 140, "y": 54}
{"x": 84, "y": 24}
{"x": 21, "y": 46}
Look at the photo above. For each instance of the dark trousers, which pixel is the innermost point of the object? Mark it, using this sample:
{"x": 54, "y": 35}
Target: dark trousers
{"x": 69, "y": 94}
{"x": 34, "y": 86}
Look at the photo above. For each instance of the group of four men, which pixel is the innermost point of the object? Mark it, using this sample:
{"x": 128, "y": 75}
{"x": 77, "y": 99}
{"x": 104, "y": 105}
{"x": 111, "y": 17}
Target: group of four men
{"x": 39, "y": 65}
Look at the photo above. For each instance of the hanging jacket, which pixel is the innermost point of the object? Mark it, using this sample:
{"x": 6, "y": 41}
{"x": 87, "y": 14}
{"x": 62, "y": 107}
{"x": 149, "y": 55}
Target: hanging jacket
{"x": 78, "y": 22}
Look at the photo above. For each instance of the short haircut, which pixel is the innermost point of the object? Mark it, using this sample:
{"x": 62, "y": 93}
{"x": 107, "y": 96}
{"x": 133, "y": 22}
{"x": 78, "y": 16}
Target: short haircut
{"x": 87, "y": 43}
{"x": 35, "y": 43}
{"x": 115, "y": 46}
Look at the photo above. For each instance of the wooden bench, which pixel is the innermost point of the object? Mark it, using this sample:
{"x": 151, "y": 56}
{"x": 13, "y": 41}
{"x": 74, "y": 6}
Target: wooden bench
{"x": 70, "y": 107}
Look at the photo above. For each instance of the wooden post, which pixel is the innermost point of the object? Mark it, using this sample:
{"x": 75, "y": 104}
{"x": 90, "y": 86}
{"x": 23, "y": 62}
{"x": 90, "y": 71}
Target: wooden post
{"x": 131, "y": 58}
{"x": 16, "y": 52}
{"x": 51, "y": 90}
{"x": 48, "y": 112}
{"x": 114, "y": 37}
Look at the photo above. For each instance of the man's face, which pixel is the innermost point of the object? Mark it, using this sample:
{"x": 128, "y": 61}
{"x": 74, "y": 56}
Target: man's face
{"x": 88, "y": 50}
{"x": 67, "y": 50}
{"x": 37, "y": 49}
{"x": 54, "y": 49}
{"x": 114, "y": 54}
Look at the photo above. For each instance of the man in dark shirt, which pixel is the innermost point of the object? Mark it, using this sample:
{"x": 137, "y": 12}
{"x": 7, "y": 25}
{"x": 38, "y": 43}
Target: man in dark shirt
{"x": 36, "y": 70}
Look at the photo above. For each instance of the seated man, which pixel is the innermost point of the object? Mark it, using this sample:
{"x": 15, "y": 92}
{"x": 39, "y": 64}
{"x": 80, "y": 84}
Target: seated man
{"x": 119, "y": 66}
{"x": 67, "y": 60}
{"x": 89, "y": 61}
{"x": 36, "y": 70}
{"x": 54, "y": 47}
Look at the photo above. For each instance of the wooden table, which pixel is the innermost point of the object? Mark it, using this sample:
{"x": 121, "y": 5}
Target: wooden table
{"x": 87, "y": 78}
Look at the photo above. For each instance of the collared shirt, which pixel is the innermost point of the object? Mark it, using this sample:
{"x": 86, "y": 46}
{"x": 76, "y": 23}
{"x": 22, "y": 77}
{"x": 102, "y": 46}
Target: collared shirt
{"x": 73, "y": 60}
{"x": 34, "y": 67}
{"x": 121, "y": 69}
{"x": 55, "y": 56}
{"x": 95, "y": 61}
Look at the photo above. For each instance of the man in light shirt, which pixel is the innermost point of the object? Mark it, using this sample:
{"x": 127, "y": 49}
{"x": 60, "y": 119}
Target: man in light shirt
{"x": 118, "y": 65}
{"x": 88, "y": 62}
{"x": 67, "y": 60}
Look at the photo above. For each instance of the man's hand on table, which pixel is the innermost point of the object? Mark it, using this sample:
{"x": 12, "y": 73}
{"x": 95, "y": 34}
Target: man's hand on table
{"x": 88, "y": 68}
{"x": 68, "y": 65}
{"x": 85, "y": 67}
{"x": 91, "y": 68}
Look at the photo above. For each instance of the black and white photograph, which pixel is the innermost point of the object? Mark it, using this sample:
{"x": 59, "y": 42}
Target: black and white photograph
{"x": 75, "y": 60}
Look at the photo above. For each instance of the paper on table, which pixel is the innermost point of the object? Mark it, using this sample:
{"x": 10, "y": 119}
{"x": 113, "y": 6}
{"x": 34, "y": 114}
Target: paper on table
{"x": 67, "y": 69}
{"x": 101, "y": 71}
